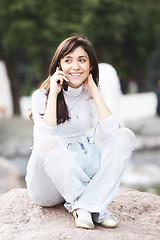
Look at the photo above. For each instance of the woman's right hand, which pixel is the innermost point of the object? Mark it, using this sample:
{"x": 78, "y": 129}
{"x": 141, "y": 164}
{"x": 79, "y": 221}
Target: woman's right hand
{"x": 56, "y": 81}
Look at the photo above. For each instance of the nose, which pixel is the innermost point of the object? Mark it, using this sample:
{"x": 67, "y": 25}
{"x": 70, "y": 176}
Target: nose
{"x": 75, "y": 65}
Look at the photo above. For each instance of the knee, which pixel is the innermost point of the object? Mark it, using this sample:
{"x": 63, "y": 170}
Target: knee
{"x": 126, "y": 141}
{"x": 39, "y": 201}
{"x": 127, "y": 134}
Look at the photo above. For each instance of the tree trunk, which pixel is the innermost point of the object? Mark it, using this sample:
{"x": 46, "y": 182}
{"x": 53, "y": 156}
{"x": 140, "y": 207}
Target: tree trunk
{"x": 14, "y": 84}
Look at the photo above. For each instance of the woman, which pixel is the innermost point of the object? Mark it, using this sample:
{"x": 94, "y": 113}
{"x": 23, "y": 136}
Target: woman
{"x": 66, "y": 165}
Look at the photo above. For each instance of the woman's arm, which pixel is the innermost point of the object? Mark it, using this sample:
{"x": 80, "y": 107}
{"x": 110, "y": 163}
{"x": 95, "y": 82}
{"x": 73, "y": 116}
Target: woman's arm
{"x": 50, "y": 116}
{"x": 102, "y": 109}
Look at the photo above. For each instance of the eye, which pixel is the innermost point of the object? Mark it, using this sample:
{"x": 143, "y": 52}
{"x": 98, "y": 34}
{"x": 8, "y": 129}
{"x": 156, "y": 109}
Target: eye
{"x": 67, "y": 60}
{"x": 82, "y": 60}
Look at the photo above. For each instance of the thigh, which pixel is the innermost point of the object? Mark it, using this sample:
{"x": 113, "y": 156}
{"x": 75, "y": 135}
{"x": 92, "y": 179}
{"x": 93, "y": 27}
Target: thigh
{"x": 41, "y": 188}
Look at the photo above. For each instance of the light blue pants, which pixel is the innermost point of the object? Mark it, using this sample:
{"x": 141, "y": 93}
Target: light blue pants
{"x": 53, "y": 177}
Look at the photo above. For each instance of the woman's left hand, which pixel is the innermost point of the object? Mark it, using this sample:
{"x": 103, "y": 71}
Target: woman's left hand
{"x": 89, "y": 83}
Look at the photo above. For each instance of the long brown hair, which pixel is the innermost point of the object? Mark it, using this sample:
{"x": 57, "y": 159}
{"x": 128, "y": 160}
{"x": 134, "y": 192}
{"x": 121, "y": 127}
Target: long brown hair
{"x": 66, "y": 47}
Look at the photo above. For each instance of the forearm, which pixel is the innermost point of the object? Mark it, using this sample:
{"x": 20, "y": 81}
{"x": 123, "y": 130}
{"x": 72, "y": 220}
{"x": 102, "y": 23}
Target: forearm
{"x": 50, "y": 116}
{"x": 102, "y": 109}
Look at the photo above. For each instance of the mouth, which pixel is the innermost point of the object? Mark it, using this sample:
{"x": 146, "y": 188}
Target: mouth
{"x": 75, "y": 75}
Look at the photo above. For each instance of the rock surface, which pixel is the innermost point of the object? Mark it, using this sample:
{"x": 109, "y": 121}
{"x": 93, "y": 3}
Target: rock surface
{"x": 20, "y": 218}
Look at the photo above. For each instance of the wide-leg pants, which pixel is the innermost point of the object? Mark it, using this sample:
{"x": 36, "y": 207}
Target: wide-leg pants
{"x": 53, "y": 177}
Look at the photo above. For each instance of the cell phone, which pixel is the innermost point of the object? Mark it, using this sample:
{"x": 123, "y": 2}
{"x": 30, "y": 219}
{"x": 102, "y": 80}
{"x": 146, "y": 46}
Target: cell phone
{"x": 65, "y": 84}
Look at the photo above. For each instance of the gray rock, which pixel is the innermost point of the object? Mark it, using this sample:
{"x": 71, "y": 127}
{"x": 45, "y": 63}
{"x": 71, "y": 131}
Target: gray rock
{"x": 20, "y": 218}
{"x": 147, "y": 142}
{"x": 145, "y": 127}
{"x": 15, "y": 141}
{"x": 9, "y": 176}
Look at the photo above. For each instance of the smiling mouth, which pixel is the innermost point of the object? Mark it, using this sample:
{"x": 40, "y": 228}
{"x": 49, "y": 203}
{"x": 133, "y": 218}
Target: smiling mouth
{"x": 75, "y": 74}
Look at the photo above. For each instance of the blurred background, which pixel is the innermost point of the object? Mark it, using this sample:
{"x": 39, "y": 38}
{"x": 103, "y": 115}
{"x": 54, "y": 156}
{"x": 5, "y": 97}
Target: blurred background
{"x": 126, "y": 38}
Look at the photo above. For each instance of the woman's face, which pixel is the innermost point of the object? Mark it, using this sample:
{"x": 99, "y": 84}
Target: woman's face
{"x": 76, "y": 66}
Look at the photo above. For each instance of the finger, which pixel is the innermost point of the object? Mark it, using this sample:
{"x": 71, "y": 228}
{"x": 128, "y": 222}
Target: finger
{"x": 65, "y": 78}
{"x": 60, "y": 79}
{"x": 91, "y": 76}
{"x": 61, "y": 72}
{"x": 61, "y": 82}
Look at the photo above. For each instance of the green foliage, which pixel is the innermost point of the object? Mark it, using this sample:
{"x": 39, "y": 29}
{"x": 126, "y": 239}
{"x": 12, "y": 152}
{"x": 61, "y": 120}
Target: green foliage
{"x": 122, "y": 33}
{"x": 32, "y": 29}
{"x": 34, "y": 22}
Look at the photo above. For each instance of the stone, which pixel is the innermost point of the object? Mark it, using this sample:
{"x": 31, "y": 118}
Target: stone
{"x": 5, "y": 93}
{"x": 146, "y": 126}
{"x": 9, "y": 176}
{"x": 110, "y": 86}
{"x": 16, "y": 139}
{"x": 141, "y": 175}
{"x": 20, "y": 218}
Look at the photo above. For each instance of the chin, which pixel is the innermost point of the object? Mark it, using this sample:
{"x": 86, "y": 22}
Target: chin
{"x": 75, "y": 85}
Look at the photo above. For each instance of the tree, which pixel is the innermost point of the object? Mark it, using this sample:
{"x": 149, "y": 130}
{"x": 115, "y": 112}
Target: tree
{"x": 123, "y": 34}
{"x": 30, "y": 31}
{"x": 153, "y": 64}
